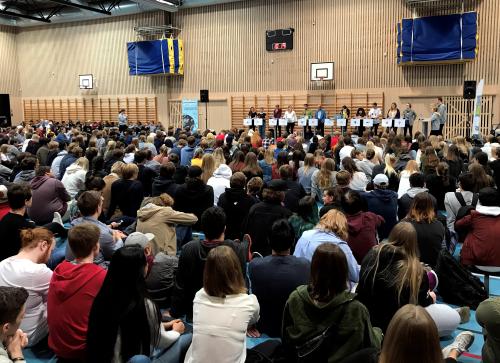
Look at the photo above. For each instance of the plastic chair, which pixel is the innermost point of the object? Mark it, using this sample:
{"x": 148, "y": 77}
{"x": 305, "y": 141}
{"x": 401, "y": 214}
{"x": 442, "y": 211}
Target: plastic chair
{"x": 488, "y": 271}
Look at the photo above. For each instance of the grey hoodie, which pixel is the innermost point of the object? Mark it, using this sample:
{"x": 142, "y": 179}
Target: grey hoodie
{"x": 24, "y": 176}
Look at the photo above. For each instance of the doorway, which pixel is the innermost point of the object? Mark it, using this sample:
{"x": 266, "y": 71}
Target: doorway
{"x": 5, "y": 120}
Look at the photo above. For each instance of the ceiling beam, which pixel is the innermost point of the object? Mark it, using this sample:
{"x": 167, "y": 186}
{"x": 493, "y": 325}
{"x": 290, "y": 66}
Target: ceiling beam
{"x": 18, "y": 15}
{"x": 80, "y": 6}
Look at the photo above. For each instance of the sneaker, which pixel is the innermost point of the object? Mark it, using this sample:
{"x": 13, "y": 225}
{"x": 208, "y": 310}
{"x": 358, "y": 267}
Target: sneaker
{"x": 57, "y": 219}
{"x": 464, "y": 313}
{"x": 461, "y": 344}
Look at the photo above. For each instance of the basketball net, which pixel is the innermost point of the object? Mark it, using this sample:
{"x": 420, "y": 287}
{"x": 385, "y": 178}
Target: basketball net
{"x": 319, "y": 82}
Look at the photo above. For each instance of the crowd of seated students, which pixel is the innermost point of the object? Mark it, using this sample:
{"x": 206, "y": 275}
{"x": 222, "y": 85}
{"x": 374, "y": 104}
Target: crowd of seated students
{"x": 140, "y": 244}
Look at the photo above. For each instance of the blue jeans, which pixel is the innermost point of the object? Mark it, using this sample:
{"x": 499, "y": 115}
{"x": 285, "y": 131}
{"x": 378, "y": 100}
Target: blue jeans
{"x": 262, "y": 129}
{"x": 176, "y": 352}
{"x": 139, "y": 359}
{"x": 57, "y": 256}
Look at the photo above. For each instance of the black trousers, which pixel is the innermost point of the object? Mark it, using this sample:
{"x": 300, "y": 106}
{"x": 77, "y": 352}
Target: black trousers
{"x": 320, "y": 129}
{"x": 441, "y": 127}
{"x": 408, "y": 128}
{"x": 375, "y": 128}
{"x": 289, "y": 128}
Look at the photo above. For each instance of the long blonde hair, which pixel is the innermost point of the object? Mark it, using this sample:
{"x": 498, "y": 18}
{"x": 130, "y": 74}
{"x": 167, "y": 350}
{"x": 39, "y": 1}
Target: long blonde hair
{"x": 308, "y": 162}
{"x": 410, "y": 324}
{"x": 83, "y": 163}
{"x": 207, "y": 167}
{"x": 390, "y": 159}
{"x": 269, "y": 156}
{"x": 334, "y": 221}
{"x": 219, "y": 157}
{"x": 403, "y": 240}
{"x": 412, "y": 167}
{"x": 325, "y": 173}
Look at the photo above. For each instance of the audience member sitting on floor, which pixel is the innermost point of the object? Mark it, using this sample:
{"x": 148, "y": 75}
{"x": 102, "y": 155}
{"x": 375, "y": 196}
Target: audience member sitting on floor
{"x": 48, "y": 196}
{"x": 165, "y": 183}
{"x": 294, "y": 190}
{"x": 412, "y": 337}
{"x": 110, "y": 240}
{"x": 236, "y": 204}
{"x": 481, "y": 247}
{"x": 123, "y": 322}
{"x": 391, "y": 276}
{"x": 126, "y": 193}
{"x": 74, "y": 177}
{"x": 305, "y": 218}
{"x": 28, "y": 269}
{"x": 194, "y": 196}
{"x": 220, "y": 180}
{"x": 12, "y": 310}
{"x": 332, "y": 228}
{"x": 451, "y": 202}
{"x": 274, "y": 277}
{"x": 223, "y": 295}
{"x": 72, "y": 290}
{"x": 263, "y": 214}
{"x": 189, "y": 277}
{"x": 417, "y": 185}
{"x": 19, "y": 198}
{"x": 430, "y": 231}
{"x": 326, "y": 302}
{"x": 158, "y": 217}
{"x": 488, "y": 316}
{"x": 362, "y": 225}
{"x": 384, "y": 202}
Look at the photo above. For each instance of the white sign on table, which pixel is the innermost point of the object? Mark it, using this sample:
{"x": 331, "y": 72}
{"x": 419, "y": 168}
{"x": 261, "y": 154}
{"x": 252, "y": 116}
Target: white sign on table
{"x": 367, "y": 122}
{"x": 273, "y": 122}
{"x": 341, "y": 122}
{"x": 355, "y": 122}
{"x": 282, "y": 122}
{"x": 258, "y": 122}
{"x": 247, "y": 122}
{"x": 328, "y": 122}
{"x": 313, "y": 122}
{"x": 302, "y": 122}
{"x": 387, "y": 122}
{"x": 399, "y": 122}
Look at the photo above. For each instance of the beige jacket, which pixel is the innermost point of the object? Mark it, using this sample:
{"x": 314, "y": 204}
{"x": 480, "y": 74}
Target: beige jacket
{"x": 161, "y": 222}
{"x": 106, "y": 192}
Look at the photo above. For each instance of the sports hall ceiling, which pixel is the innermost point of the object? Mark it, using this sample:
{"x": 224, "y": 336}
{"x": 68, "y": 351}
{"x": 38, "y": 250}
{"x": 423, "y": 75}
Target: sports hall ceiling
{"x": 37, "y": 12}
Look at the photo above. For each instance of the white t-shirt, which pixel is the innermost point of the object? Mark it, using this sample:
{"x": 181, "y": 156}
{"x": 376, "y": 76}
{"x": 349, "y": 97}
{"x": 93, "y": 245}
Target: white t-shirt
{"x": 219, "y": 327}
{"x": 345, "y": 152}
{"x": 35, "y": 278}
{"x": 290, "y": 116}
{"x": 375, "y": 113}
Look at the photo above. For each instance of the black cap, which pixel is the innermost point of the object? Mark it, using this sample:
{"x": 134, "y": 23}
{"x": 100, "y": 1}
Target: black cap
{"x": 277, "y": 185}
{"x": 194, "y": 172}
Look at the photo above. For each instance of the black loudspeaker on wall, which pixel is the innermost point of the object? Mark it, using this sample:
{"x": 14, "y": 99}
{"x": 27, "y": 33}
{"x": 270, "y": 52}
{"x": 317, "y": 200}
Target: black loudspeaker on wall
{"x": 5, "y": 120}
{"x": 204, "y": 95}
{"x": 469, "y": 90}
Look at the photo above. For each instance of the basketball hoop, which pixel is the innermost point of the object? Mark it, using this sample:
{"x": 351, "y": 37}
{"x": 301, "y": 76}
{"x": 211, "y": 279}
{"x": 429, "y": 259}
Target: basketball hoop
{"x": 320, "y": 81}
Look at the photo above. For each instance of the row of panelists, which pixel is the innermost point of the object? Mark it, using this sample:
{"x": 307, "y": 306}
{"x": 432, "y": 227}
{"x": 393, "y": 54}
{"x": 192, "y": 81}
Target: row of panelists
{"x": 319, "y": 119}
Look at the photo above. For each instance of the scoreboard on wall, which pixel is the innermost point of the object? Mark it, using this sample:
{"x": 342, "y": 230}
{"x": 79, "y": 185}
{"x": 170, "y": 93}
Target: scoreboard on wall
{"x": 279, "y": 39}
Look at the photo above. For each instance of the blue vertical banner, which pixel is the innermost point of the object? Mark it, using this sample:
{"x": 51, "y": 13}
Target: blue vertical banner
{"x": 190, "y": 114}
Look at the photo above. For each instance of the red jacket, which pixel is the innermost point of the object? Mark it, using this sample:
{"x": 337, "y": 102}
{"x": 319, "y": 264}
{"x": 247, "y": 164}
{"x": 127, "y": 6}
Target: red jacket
{"x": 363, "y": 233}
{"x": 71, "y": 293}
{"x": 481, "y": 245}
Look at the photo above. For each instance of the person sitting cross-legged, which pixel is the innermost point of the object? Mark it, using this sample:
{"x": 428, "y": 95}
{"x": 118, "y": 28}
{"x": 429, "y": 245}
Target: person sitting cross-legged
{"x": 28, "y": 269}
{"x": 72, "y": 290}
{"x": 274, "y": 277}
{"x": 90, "y": 205}
{"x": 189, "y": 277}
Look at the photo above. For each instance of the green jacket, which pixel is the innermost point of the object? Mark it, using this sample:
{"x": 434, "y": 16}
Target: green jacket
{"x": 488, "y": 316}
{"x": 303, "y": 319}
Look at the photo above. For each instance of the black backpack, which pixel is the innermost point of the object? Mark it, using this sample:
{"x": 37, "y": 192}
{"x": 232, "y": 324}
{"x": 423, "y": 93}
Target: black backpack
{"x": 457, "y": 285}
{"x": 462, "y": 212}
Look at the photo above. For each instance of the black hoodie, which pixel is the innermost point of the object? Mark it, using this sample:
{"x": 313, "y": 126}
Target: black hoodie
{"x": 194, "y": 197}
{"x": 163, "y": 185}
{"x": 236, "y": 204}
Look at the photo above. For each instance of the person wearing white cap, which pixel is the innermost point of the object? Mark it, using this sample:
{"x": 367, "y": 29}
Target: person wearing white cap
{"x": 384, "y": 202}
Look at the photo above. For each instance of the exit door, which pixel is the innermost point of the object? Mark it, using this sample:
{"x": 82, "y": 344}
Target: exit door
{"x": 5, "y": 120}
